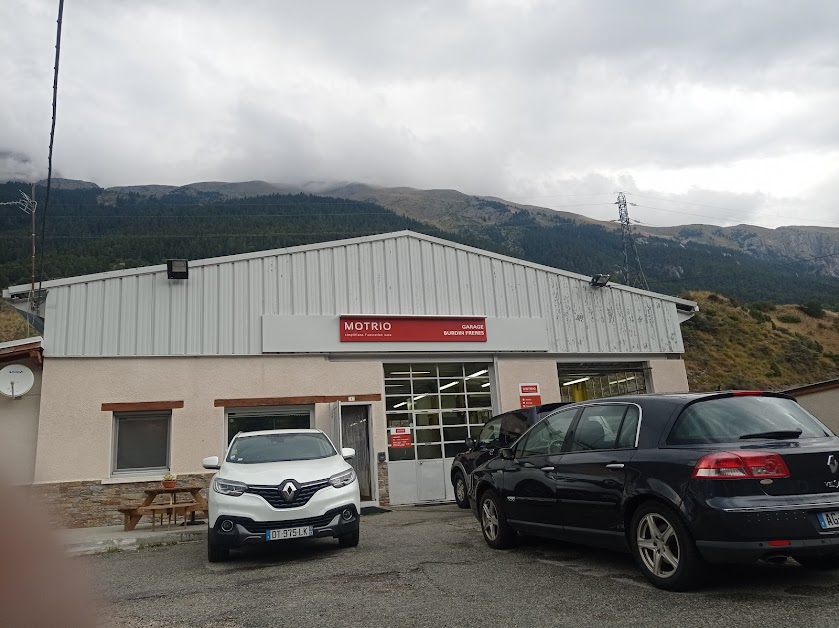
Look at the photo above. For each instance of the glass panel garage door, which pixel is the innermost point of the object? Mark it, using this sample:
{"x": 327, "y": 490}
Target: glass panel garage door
{"x": 441, "y": 404}
{"x": 584, "y": 382}
{"x": 267, "y": 419}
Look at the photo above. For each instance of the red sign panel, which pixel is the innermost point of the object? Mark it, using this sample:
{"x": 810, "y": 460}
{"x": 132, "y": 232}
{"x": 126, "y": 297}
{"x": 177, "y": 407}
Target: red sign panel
{"x": 400, "y": 437}
{"x": 412, "y": 329}
{"x": 528, "y": 389}
{"x": 528, "y": 401}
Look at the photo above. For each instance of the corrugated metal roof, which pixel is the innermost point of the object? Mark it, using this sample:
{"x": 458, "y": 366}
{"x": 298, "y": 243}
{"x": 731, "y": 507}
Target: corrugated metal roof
{"x": 218, "y": 310}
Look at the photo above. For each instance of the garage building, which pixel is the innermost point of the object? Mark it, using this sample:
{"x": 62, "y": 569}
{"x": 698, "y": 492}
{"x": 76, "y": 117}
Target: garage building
{"x": 399, "y": 345}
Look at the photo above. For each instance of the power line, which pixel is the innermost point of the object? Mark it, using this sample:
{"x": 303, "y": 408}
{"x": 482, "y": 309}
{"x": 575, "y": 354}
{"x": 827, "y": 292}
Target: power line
{"x": 156, "y": 216}
{"x": 564, "y": 195}
{"x": 49, "y": 158}
{"x": 730, "y": 209}
{"x": 191, "y": 236}
{"x": 578, "y": 205}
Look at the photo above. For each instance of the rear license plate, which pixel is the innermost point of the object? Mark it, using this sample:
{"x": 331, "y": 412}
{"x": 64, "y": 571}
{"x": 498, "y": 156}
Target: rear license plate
{"x": 294, "y": 533}
{"x": 828, "y": 520}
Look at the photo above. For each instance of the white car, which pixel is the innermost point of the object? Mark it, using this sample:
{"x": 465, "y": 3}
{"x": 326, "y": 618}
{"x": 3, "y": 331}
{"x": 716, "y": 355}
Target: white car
{"x": 281, "y": 484}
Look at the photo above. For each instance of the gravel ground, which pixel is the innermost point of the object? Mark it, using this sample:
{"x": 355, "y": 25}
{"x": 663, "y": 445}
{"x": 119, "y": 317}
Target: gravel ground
{"x": 430, "y": 567}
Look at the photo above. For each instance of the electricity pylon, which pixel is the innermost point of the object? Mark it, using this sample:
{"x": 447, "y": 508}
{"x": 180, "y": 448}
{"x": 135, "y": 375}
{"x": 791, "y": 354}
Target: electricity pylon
{"x": 633, "y": 274}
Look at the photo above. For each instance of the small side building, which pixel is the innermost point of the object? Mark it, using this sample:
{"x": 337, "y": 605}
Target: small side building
{"x": 821, "y": 400}
{"x": 19, "y": 415}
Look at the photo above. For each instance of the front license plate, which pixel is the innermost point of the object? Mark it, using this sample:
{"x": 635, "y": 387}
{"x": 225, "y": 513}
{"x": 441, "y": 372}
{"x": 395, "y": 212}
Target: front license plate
{"x": 290, "y": 533}
{"x": 828, "y": 520}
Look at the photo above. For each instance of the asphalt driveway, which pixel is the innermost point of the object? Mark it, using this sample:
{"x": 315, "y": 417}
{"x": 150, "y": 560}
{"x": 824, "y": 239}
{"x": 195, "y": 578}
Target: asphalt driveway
{"x": 430, "y": 567}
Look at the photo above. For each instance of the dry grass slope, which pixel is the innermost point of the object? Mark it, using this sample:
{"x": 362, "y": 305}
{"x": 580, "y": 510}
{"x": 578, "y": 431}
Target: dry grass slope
{"x": 732, "y": 346}
{"x": 13, "y": 326}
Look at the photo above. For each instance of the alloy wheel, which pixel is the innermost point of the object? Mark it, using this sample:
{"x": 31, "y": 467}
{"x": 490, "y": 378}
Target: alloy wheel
{"x": 658, "y": 545}
{"x": 489, "y": 519}
{"x": 460, "y": 489}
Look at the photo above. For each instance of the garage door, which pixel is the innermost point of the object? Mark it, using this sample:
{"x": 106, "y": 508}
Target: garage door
{"x": 438, "y": 405}
{"x": 252, "y": 420}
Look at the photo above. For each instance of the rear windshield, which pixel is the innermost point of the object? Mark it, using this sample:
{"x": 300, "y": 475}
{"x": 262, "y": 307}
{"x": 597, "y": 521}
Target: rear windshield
{"x": 279, "y": 448}
{"x": 729, "y": 419}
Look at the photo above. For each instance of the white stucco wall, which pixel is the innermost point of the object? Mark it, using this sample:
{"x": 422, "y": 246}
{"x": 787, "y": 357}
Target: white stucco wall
{"x": 510, "y": 372}
{"x": 19, "y": 431}
{"x": 667, "y": 376}
{"x": 824, "y": 405}
{"x": 75, "y": 436}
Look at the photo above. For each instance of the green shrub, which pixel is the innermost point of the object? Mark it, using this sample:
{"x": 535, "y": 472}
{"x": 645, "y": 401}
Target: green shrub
{"x": 789, "y": 318}
{"x": 759, "y": 316}
{"x": 812, "y": 308}
{"x": 774, "y": 370}
{"x": 762, "y": 306}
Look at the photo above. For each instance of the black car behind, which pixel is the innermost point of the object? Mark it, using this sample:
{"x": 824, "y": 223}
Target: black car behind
{"x": 500, "y": 431}
{"x": 678, "y": 480}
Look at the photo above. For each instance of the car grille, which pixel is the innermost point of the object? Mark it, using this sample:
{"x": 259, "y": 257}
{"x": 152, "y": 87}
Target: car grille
{"x": 271, "y": 494}
{"x": 259, "y": 527}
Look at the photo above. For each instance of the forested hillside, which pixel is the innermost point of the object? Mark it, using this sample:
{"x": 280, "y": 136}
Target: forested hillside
{"x": 85, "y": 235}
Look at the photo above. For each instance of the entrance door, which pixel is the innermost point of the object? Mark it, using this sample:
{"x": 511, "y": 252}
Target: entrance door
{"x": 431, "y": 480}
{"x": 355, "y": 433}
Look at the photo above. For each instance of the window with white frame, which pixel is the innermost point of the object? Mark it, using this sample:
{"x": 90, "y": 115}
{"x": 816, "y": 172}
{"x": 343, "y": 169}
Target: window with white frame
{"x": 141, "y": 442}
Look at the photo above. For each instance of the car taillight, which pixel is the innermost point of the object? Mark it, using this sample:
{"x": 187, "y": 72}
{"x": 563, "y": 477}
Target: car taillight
{"x": 735, "y": 465}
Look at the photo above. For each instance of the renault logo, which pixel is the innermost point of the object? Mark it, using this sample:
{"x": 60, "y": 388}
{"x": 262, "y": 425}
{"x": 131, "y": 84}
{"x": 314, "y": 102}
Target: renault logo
{"x": 288, "y": 490}
{"x": 832, "y": 464}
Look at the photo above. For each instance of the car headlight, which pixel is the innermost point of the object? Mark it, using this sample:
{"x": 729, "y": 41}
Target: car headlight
{"x": 343, "y": 479}
{"x": 229, "y": 487}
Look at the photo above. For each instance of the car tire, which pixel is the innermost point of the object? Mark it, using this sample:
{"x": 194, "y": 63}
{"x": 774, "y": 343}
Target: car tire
{"x": 497, "y": 532}
{"x": 349, "y": 540}
{"x": 818, "y": 562}
{"x": 215, "y": 552}
{"x": 664, "y": 549}
{"x": 461, "y": 497}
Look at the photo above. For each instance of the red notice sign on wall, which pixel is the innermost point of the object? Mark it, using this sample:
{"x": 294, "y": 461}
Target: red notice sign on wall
{"x": 412, "y": 329}
{"x": 400, "y": 437}
{"x": 529, "y": 395}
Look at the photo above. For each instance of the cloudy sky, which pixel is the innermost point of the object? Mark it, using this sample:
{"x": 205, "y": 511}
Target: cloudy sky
{"x": 714, "y": 111}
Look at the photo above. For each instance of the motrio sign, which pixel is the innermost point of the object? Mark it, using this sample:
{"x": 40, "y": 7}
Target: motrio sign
{"x": 412, "y": 329}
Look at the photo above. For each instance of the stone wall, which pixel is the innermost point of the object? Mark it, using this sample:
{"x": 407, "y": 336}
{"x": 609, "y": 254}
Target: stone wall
{"x": 384, "y": 494}
{"x": 91, "y": 503}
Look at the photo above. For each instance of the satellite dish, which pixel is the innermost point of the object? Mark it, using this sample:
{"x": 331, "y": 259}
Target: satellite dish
{"x": 16, "y": 380}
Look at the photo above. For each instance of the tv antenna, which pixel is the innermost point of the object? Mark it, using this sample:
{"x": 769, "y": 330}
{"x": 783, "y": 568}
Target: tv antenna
{"x": 28, "y": 205}
{"x": 633, "y": 274}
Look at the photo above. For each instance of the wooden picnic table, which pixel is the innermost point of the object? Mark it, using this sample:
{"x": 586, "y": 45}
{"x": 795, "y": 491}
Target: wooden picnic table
{"x": 133, "y": 514}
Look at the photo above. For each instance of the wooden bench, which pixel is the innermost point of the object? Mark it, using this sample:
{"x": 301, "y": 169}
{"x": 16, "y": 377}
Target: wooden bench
{"x": 154, "y": 510}
{"x": 133, "y": 514}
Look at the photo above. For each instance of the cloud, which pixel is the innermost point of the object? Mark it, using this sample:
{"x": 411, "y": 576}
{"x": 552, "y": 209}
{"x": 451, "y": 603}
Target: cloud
{"x": 733, "y": 102}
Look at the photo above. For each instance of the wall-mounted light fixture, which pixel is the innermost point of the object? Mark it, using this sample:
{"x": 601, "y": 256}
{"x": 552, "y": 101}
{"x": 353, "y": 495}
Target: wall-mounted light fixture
{"x": 177, "y": 269}
{"x": 599, "y": 281}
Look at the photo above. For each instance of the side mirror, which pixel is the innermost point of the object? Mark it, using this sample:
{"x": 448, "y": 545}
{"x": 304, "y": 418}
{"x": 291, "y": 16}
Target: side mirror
{"x": 471, "y": 444}
{"x": 347, "y": 453}
{"x": 211, "y": 462}
{"x": 507, "y": 453}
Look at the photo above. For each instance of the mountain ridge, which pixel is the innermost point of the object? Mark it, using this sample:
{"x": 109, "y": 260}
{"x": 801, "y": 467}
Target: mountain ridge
{"x": 451, "y": 209}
